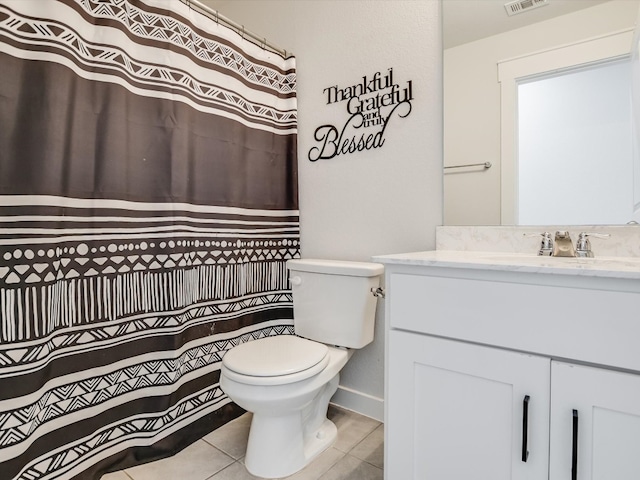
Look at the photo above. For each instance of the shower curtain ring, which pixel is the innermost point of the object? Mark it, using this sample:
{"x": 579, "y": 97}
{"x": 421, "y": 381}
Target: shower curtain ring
{"x": 242, "y": 32}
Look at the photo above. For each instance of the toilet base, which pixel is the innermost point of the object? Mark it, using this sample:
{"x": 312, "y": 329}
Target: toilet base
{"x": 283, "y": 444}
{"x": 287, "y": 451}
{"x": 323, "y": 439}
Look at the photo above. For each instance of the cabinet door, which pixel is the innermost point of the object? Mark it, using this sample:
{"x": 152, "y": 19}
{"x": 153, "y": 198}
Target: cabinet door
{"x": 604, "y": 407}
{"x": 456, "y": 411}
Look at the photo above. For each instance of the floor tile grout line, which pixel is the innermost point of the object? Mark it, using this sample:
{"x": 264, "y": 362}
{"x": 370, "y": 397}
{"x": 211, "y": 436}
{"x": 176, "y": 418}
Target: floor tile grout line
{"x": 212, "y": 477}
{"x": 358, "y": 442}
{"x": 361, "y": 442}
{"x": 347, "y": 452}
{"x": 126, "y": 474}
{"x": 366, "y": 436}
{"x": 327, "y": 467}
{"x": 224, "y": 453}
{"x": 366, "y": 461}
{"x": 358, "y": 460}
{"x": 219, "y": 449}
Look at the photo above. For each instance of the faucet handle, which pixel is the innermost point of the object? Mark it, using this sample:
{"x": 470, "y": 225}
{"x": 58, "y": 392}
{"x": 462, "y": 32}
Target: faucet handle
{"x": 597, "y": 235}
{"x": 583, "y": 245}
{"x": 546, "y": 245}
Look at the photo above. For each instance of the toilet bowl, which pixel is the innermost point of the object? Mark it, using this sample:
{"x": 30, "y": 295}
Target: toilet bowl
{"x": 289, "y": 427}
{"x": 286, "y": 381}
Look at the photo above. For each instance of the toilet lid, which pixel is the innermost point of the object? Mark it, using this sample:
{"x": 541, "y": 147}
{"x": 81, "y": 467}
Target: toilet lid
{"x": 275, "y": 356}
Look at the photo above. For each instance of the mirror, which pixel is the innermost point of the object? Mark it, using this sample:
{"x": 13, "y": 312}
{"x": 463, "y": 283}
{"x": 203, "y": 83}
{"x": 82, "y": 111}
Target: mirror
{"x": 479, "y": 40}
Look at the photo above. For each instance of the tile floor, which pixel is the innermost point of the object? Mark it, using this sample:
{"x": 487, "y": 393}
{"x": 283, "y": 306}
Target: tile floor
{"x": 356, "y": 455}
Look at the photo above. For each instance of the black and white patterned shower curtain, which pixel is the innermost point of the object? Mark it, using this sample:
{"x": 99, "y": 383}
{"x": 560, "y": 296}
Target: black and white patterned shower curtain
{"x": 148, "y": 205}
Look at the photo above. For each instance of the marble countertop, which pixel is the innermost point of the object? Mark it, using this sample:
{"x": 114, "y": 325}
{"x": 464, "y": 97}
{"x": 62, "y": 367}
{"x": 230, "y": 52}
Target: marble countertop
{"x": 604, "y": 267}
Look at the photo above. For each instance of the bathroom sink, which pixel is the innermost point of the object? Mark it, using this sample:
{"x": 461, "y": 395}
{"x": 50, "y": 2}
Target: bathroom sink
{"x": 596, "y": 263}
{"x": 605, "y": 267}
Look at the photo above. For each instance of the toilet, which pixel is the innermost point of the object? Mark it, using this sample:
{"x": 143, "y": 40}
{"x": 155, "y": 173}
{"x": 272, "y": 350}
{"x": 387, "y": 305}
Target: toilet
{"x": 286, "y": 381}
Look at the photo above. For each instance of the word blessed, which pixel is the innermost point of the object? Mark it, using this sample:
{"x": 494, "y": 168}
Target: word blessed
{"x": 334, "y": 142}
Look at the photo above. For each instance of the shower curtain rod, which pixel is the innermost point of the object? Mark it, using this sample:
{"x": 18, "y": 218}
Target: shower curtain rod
{"x": 218, "y": 18}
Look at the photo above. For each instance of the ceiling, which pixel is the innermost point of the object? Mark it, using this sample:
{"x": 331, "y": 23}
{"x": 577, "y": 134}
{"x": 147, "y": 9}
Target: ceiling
{"x": 468, "y": 20}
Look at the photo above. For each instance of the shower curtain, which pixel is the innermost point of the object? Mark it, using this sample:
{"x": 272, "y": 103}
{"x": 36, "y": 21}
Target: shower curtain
{"x": 148, "y": 206}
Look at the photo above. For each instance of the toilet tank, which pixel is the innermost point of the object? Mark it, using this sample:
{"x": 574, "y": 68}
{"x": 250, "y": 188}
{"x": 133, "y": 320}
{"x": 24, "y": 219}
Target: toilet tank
{"x": 332, "y": 300}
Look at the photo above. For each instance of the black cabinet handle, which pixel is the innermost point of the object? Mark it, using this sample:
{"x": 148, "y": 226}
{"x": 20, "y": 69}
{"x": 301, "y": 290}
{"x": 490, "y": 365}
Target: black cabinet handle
{"x": 525, "y": 427}
{"x": 574, "y": 447}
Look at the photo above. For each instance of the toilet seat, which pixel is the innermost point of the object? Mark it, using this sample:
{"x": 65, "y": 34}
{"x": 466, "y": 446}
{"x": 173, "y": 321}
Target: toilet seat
{"x": 276, "y": 360}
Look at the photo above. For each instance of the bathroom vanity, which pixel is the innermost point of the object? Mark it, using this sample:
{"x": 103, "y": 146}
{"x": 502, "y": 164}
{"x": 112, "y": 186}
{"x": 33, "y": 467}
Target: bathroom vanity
{"x": 511, "y": 366}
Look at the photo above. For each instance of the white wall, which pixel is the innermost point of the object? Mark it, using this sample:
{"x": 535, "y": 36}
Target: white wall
{"x": 386, "y": 200}
{"x": 472, "y": 102}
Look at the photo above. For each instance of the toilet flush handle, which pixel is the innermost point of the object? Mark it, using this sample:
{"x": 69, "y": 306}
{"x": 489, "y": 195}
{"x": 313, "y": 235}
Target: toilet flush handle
{"x": 295, "y": 281}
{"x": 377, "y": 292}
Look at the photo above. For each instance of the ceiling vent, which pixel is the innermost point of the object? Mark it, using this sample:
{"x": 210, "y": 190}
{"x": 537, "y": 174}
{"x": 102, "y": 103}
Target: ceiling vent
{"x": 521, "y": 6}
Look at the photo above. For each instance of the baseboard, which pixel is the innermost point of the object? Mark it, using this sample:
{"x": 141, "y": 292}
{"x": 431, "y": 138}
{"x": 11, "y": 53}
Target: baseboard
{"x": 359, "y": 402}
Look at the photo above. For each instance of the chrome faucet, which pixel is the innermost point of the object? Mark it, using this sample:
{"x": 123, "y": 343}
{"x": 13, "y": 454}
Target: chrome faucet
{"x": 563, "y": 245}
{"x": 546, "y": 245}
{"x": 583, "y": 245}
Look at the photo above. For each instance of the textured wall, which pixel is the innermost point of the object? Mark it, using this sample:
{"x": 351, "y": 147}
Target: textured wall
{"x": 377, "y": 201}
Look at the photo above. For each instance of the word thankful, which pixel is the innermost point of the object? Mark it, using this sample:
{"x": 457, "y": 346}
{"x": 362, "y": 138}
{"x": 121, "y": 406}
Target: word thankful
{"x": 334, "y": 142}
{"x": 370, "y": 103}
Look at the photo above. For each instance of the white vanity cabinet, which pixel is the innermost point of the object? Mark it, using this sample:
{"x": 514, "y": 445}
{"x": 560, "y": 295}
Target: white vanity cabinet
{"x": 595, "y": 423}
{"x": 482, "y": 364}
{"x": 461, "y": 411}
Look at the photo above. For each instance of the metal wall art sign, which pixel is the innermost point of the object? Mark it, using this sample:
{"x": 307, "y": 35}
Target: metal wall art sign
{"x": 371, "y": 104}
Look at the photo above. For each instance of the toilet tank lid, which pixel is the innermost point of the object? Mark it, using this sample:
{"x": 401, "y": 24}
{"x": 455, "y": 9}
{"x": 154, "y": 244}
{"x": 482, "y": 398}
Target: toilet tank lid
{"x": 336, "y": 267}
